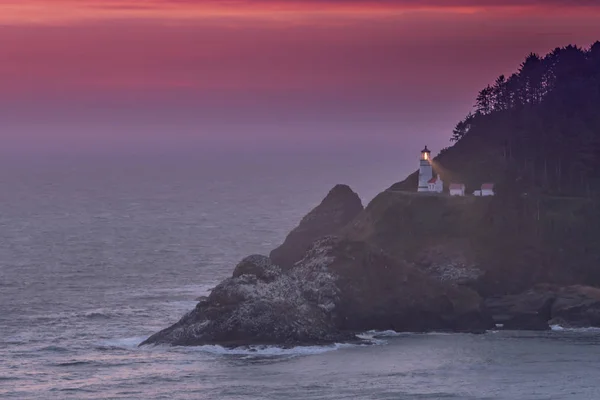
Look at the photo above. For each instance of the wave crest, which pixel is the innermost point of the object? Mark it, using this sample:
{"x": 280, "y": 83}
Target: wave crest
{"x": 559, "y": 328}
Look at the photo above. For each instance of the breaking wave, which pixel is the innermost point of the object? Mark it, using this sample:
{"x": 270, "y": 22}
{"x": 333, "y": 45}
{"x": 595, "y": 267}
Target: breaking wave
{"x": 271, "y": 351}
{"x": 250, "y": 351}
{"x": 96, "y": 315}
{"x": 374, "y": 335}
{"x": 558, "y": 328}
{"x": 122, "y": 343}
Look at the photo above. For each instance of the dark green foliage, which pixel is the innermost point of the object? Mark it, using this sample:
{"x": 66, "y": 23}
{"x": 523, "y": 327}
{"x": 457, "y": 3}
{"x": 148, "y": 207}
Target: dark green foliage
{"x": 541, "y": 125}
{"x": 536, "y": 135}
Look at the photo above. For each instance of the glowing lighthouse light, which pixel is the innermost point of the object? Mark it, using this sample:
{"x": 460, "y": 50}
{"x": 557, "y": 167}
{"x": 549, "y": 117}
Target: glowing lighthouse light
{"x": 425, "y": 170}
{"x": 425, "y": 154}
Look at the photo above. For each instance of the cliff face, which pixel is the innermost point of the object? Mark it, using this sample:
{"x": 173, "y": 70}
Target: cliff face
{"x": 408, "y": 262}
{"x": 261, "y": 305}
{"x": 339, "y": 288}
{"x": 497, "y": 245}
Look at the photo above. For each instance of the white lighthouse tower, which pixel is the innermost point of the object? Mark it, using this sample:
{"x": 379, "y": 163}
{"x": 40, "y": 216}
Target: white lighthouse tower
{"x": 425, "y": 170}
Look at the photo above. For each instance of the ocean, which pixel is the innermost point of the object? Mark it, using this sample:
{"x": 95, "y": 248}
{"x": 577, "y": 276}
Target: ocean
{"x": 97, "y": 253}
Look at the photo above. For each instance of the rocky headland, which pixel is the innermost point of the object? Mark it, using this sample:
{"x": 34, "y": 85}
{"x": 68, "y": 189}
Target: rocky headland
{"x": 406, "y": 262}
{"x": 526, "y": 258}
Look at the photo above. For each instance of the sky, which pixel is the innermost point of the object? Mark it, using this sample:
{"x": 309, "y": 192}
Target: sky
{"x": 83, "y": 76}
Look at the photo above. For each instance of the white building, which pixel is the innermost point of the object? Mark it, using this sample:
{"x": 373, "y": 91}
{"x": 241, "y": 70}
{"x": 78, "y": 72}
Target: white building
{"x": 436, "y": 185}
{"x": 487, "y": 189}
{"x": 477, "y": 193}
{"x": 457, "y": 189}
{"x": 425, "y": 170}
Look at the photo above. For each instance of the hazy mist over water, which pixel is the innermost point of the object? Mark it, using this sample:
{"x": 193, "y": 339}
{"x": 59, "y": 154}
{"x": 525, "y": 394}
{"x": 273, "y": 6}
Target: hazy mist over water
{"x": 97, "y": 253}
{"x": 148, "y": 146}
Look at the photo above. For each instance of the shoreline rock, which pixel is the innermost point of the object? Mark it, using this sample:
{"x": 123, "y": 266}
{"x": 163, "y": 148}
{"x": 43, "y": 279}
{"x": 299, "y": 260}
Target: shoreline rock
{"x": 545, "y": 305}
{"x": 339, "y": 289}
{"x": 292, "y": 308}
{"x": 346, "y": 270}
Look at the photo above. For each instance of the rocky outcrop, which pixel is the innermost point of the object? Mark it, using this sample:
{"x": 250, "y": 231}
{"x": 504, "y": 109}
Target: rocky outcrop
{"x": 496, "y": 245}
{"x": 259, "y": 267}
{"x": 545, "y": 305}
{"x": 406, "y": 263}
{"x": 338, "y": 208}
{"x": 337, "y": 289}
{"x": 379, "y": 292}
{"x": 293, "y": 308}
{"x": 530, "y": 310}
{"x": 576, "y": 307}
{"x": 447, "y": 262}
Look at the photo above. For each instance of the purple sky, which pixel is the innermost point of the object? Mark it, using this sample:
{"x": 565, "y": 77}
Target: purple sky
{"x": 118, "y": 75}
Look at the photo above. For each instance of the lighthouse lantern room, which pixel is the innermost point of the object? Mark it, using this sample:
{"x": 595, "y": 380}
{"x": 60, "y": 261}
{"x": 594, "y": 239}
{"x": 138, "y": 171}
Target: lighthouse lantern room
{"x": 425, "y": 154}
{"x": 425, "y": 170}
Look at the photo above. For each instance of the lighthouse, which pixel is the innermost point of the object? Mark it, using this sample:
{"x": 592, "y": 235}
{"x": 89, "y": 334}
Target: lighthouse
{"x": 425, "y": 170}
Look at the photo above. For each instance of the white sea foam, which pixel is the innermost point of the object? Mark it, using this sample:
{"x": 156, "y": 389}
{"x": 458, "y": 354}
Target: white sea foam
{"x": 370, "y": 335}
{"x": 380, "y": 334}
{"x": 124, "y": 343}
{"x": 257, "y": 350}
{"x": 558, "y": 328}
{"x": 269, "y": 351}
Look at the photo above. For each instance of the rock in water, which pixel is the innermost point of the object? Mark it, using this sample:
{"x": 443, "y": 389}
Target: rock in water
{"x": 338, "y": 208}
{"x": 530, "y": 310}
{"x": 292, "y": 308}
{"x": 576, "y": 307}
{"x": 339, "y": 288}
{"x": 545, "y": 305}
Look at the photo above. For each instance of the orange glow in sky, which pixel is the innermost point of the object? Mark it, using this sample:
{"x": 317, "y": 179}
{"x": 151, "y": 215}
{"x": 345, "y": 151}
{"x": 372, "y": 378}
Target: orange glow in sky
{"x": 223, "y": 66}
{"x": 73, "y": 11}
{"x": 61, "y": 11}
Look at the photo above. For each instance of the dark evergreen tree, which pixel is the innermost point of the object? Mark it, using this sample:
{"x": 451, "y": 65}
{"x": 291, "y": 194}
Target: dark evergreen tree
{"x": 546, "y": 120}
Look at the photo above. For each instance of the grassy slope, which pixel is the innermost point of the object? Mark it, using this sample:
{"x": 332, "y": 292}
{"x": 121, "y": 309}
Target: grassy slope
{"x": 518, "y": 240}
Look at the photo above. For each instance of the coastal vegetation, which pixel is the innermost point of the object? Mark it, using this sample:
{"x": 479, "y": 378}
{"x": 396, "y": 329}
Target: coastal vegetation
{"x": 540, "y": 126}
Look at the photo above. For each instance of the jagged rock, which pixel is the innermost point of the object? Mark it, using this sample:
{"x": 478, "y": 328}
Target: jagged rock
{"x": 293, "y": 308}
{"x": 379, "y": 292}
{"x": 258, "y": 266}
{"x": 338, "y": 288}
{"x": 576, "y": 306}
{"x": 338, "y": 208}
{"x": 503, "y": 249}
{"x": 448, "y": 263}
{"x": 530, "y": 310}
{"x": 545, "y": 305}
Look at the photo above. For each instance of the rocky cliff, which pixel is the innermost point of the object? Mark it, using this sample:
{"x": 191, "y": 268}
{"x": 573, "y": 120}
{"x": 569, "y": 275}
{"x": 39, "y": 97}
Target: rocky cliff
{"x": 338, "y": 289}
{"x": 407, "y": 262}
{"x": 336, "y": 210}
{"x": 422, "y": 262}
{"x": 496, "y": 245}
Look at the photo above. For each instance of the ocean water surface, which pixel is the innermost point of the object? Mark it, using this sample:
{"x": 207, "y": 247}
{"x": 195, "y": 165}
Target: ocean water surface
{"x": 98, "y": 253}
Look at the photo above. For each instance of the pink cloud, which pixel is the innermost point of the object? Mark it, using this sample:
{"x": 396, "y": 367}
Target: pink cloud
{"x": 378, "y": 72}
{"x": 75, "y": 11}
